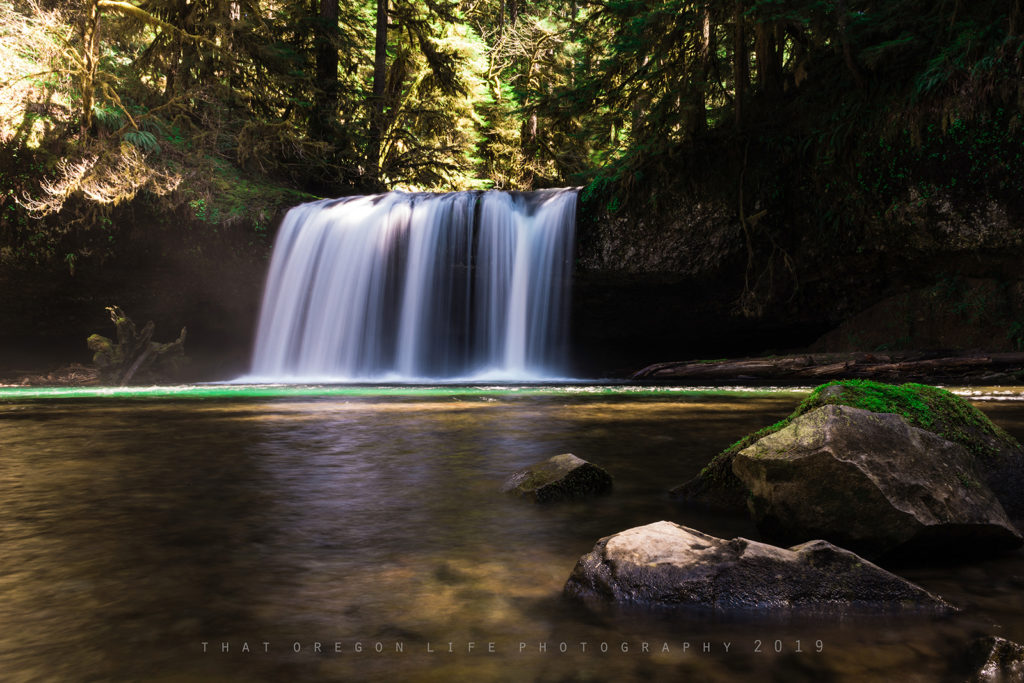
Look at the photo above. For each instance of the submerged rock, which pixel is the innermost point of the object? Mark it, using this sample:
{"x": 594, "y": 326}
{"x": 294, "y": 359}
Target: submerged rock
{"x": 870, "y": 482}
{"x": 560, "y": 477}
{"x": 671, "y": 565}
{"x": 996, "y": 660}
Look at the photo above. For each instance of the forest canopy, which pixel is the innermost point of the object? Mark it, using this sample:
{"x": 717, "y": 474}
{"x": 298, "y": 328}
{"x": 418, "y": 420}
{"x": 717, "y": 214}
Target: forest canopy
{"x": 229, "y": 106}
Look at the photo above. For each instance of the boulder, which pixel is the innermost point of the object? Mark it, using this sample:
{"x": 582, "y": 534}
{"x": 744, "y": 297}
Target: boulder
{"x": 996, "y": 660}
{"x": 561, "y": 477}
{"x": 998, "y": 457}
{"x": 870, "y": 482}
{"x": 665, "y": 564}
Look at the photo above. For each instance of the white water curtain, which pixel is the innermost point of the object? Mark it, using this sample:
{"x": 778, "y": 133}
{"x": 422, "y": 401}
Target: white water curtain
{"x": 419, "y": 287}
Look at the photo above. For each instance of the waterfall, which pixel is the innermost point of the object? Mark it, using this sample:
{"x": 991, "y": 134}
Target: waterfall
{"x": 419, "y": 287}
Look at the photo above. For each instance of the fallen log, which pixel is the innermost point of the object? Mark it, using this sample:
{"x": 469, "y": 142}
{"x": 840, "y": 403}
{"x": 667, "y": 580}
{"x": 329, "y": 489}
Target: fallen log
{"x": 135, "y": 353}
{"x": 995, "y": 368}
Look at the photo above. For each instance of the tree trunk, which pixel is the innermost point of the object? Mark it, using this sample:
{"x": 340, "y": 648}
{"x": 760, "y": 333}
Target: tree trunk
{"x": 699, "y": 114}
{"x": 380, "y": 69}
{"x": 769, "y": 66}
{"x": 903, "y": 366}
{"x": 234, "y": 14}
{"x": 171, "y": 70}
{"x": 325, "y": 105}
{"x": 134, "y": 352}
{"x": 740, "y": 63}
{"x": 851, "y": 65}
{"x": 90, "y": 55}
{"x": 190, "y": 66}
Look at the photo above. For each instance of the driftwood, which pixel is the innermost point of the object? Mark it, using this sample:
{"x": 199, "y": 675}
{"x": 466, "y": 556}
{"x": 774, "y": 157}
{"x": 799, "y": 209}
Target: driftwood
{"x": 996, "y": 368}
{"x": 135, "y": 353}
{"x": 74, "y": 375}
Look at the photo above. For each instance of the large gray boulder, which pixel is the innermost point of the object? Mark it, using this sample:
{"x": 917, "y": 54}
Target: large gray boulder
{"x": 561, "y": 477}
{"x": 998, "y": 457}
{"x": 671, "y": 565}
{"x": 872, "y": 483}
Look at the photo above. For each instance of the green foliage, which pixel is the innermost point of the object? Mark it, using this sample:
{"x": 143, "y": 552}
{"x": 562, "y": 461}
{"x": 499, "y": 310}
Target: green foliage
{"x": 227, "y": 196}
{"x": 966, "y": 158}
{"x": 143, "y": 139}
{"x": 107, "y": 116}
{"x": 837, "y": 110}
{"x": 843, "y": 115}
{"x": 911, "y": 401}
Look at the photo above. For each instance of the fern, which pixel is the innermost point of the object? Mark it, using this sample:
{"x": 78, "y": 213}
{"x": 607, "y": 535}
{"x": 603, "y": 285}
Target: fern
{"x": 110, "y": 118}
{"x": 142, "y": 140}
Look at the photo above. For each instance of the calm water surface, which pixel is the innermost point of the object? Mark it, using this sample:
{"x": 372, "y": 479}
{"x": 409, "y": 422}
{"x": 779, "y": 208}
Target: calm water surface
{"x": 138, "y": 532}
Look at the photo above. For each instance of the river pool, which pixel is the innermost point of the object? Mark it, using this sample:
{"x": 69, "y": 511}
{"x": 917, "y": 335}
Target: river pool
{"x": 359, "y": 533}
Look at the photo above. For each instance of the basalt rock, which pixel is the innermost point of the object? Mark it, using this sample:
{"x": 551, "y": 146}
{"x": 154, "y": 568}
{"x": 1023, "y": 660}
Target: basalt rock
{"x": 873, "y": 483}
{"x": 996, "y": 455}
{"x": 665, "y": 564}
{"x": 561, "y": 477}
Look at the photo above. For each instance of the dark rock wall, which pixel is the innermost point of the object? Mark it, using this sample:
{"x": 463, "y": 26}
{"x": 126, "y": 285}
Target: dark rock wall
{"x": 208, "y": 278}
{"x": 673, "y": 282}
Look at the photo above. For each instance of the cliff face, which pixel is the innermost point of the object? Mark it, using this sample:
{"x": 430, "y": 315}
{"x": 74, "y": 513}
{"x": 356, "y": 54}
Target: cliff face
{"x": 169, "y": 269}
{"x": 933, "y": 271}
{"x": 688, "y": 240}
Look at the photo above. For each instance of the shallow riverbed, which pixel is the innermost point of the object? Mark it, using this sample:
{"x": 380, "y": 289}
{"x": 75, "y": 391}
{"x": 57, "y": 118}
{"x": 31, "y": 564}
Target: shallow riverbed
{"x": 359, "y": 533}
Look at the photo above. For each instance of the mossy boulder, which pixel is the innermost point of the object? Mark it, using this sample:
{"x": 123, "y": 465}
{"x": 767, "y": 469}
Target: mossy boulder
{"x": 667, "y": 565}
{"x": 561, "y": 477}
{"x": 998, "y": 457}
{"x": 872, "y": 483}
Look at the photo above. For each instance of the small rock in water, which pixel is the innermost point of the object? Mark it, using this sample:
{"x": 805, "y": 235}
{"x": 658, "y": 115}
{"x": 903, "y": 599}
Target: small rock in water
{"x": 665, "y": 564}
{"x": 561, "y": 477}
{"x": 996, "y": 660}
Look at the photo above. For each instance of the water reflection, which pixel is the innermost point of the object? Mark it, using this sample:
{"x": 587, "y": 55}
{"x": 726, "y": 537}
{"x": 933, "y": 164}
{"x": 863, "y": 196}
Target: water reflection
{"x": 133, "y": 532}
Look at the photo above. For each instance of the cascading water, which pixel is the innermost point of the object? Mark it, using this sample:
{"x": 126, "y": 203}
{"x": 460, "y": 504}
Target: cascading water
{"x": 407, "y": 287}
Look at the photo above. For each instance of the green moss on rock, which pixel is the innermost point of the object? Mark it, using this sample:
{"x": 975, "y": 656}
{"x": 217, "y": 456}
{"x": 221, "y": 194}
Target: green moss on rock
{"x": 923, "y": 406}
